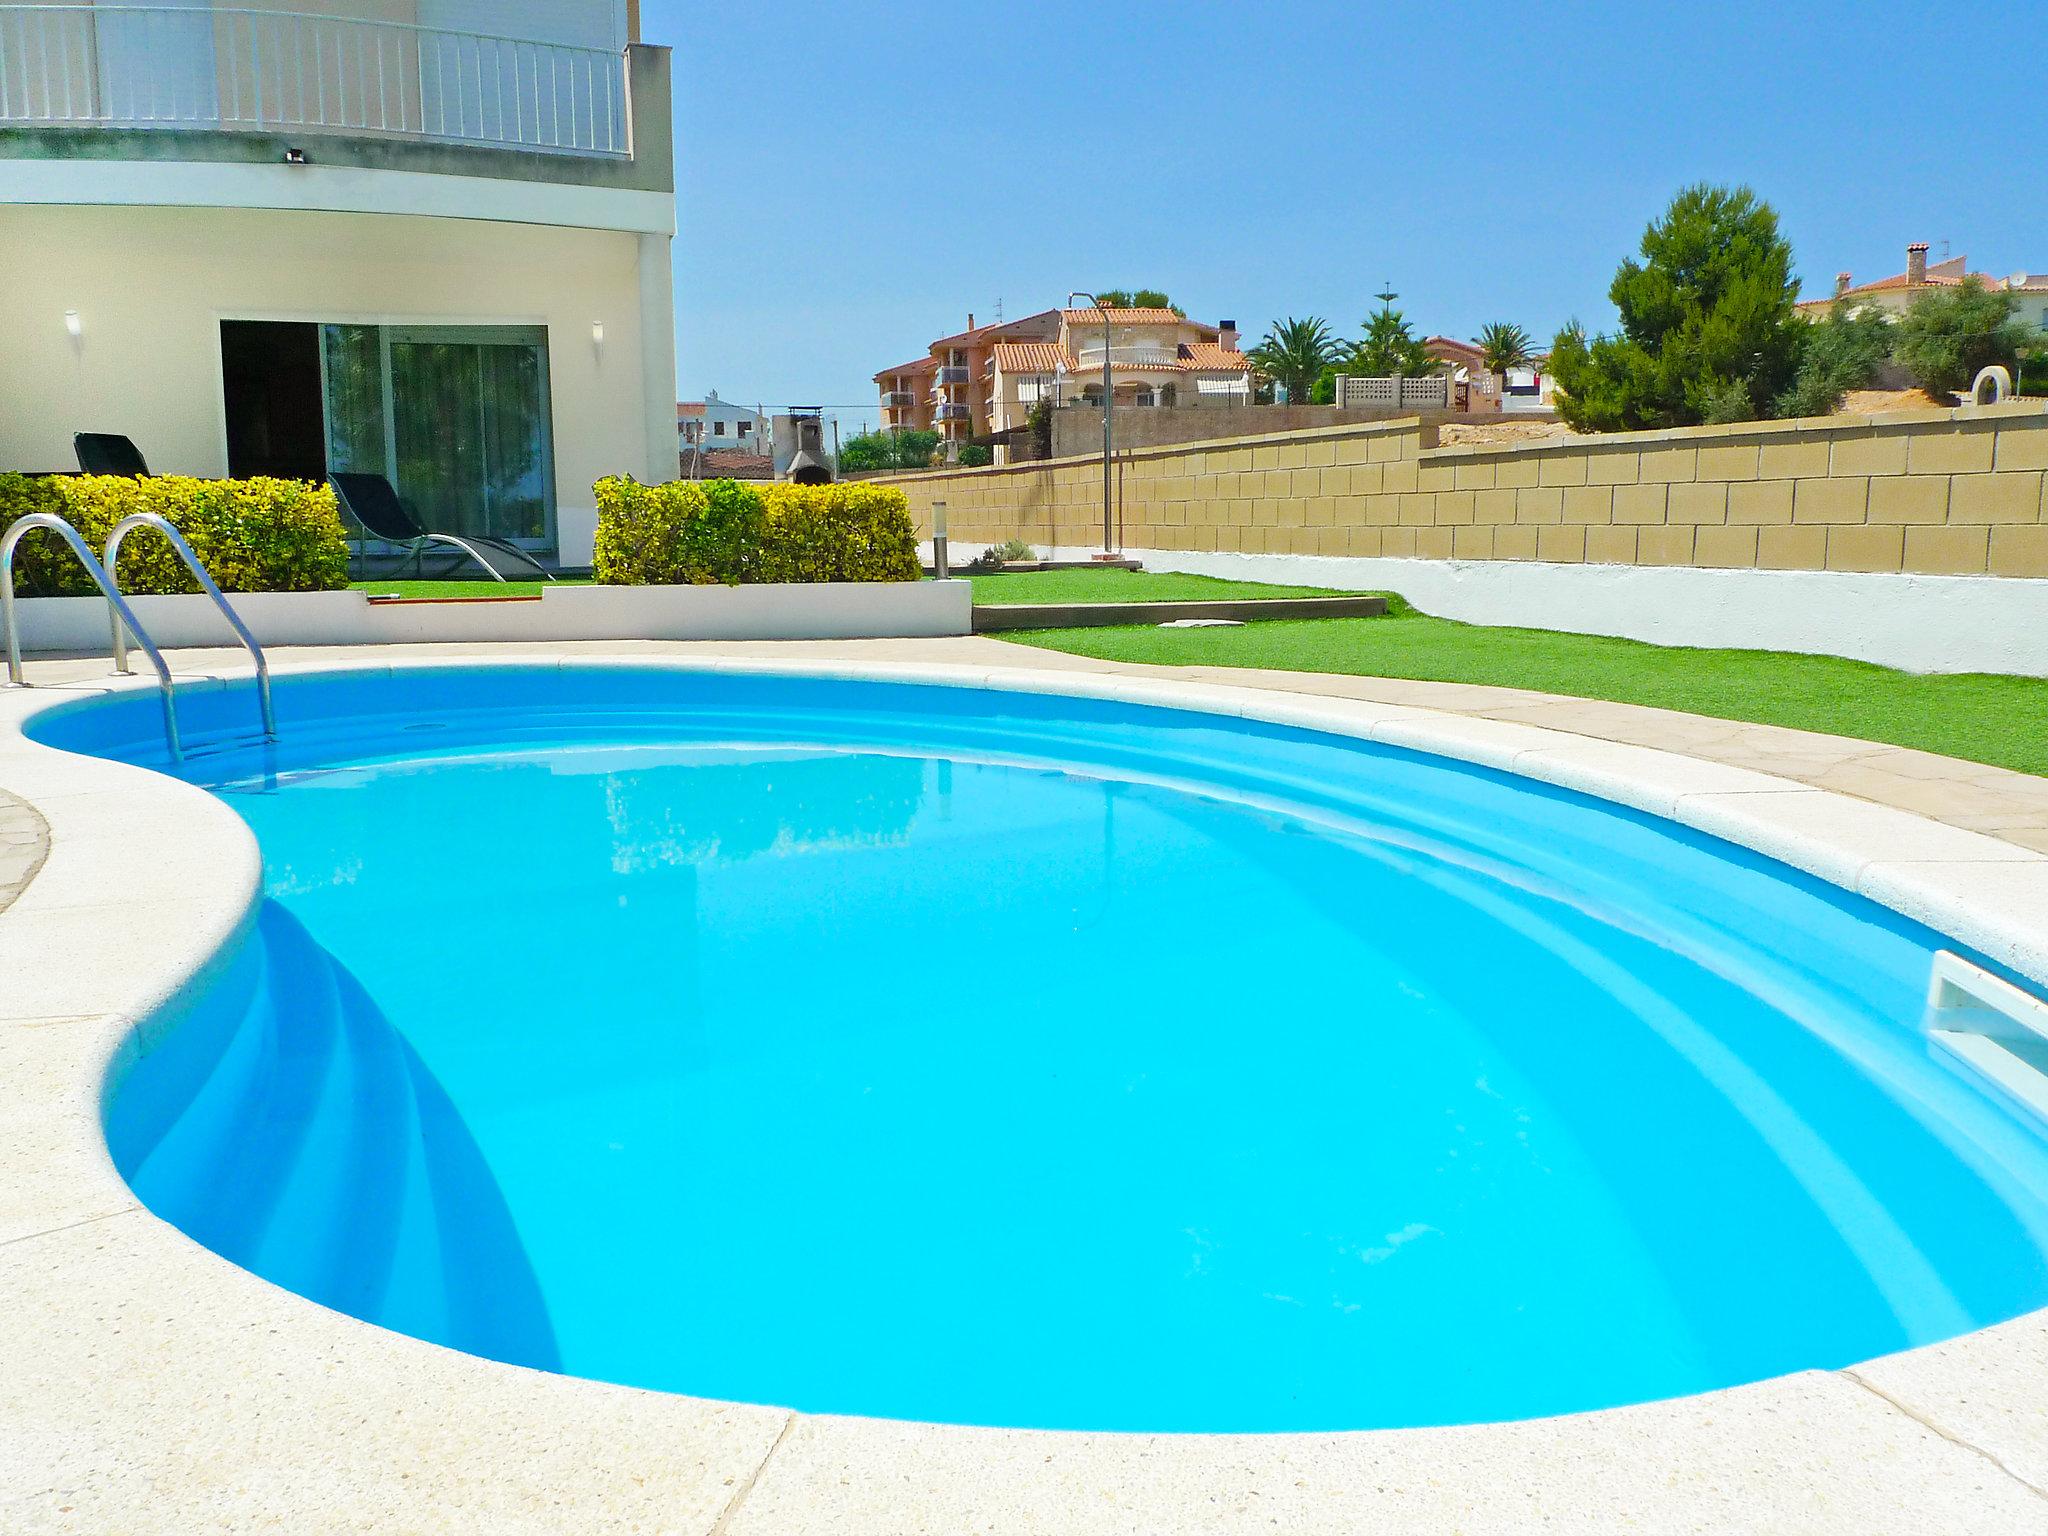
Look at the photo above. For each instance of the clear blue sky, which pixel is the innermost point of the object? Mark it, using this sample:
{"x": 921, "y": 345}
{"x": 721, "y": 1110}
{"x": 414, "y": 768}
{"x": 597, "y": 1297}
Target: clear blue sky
{"x": 854, "y": 178}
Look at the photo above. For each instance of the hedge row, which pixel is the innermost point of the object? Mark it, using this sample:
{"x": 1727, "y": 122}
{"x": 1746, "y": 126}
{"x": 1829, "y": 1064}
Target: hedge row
{"x": 692, "y": 532}
{"x": 251, "y": 535}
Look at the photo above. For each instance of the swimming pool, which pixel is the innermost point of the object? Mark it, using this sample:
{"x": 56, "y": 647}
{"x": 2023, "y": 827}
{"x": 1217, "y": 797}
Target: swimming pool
{"x": 1012, "y": 1059}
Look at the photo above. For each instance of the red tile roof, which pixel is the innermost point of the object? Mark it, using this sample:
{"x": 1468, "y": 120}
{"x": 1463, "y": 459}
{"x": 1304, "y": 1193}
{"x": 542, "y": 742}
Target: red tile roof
{"x": 1940, "y": 274}
{"x": 1131, "y": 317}
{"x": 1203, "y": 355}
{"x": 1031, "y": 357}
{"x": 1050, "y": 357}
{"x": 922, "y": 365}
{"x": 688, "y": 408}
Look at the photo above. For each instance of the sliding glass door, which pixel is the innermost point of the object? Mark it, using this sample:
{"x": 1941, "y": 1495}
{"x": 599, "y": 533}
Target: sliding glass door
{"x": 456, "y": 417}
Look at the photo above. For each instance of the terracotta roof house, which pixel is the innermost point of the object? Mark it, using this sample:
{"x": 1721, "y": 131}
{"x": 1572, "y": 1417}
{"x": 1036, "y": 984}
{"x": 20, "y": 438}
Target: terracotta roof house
{"x": 1895, "y": 294}
{"x": 1157, "y": 358}
{"x": 987, "y": 378}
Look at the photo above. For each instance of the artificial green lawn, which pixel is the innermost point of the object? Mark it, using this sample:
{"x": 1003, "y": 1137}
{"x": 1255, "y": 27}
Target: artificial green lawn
{"x": 1983, "y": 717}
{"x": 483, "y": 587}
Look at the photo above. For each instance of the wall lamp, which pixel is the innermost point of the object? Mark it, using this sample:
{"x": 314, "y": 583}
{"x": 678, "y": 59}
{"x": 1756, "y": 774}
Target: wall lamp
{"x": 597, "y": 337}
{"x": 73, "y": 326}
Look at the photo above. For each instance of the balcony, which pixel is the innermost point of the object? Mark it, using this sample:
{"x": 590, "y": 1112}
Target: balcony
{"x": 199, "y": 67}
{"x": 951, "y": 375}
{"x": 898, "y": 399}
{"x": 953, "y": 413}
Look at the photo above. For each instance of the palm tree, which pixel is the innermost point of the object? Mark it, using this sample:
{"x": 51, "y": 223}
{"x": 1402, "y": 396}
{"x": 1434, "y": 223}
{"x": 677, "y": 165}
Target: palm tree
{"x": 1294, "y": 354}
{"x": 1501, "y": 347}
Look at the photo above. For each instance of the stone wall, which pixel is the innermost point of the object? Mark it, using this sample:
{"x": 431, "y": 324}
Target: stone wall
{"x": 1956, "y": 492}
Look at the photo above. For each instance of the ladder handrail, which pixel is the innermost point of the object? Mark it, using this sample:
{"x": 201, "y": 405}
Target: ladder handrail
{"x": 14, "y": 535}
{"x": 162, "y": 525}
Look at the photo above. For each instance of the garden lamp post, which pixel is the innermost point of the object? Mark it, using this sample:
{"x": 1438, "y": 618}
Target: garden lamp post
{"x": 1108, "y": 410}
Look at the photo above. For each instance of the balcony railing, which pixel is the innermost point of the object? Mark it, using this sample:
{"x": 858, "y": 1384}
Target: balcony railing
{"x": 898, "y": 398}
{"x": 144, "y": 66}
{"x": 953, "y": 413}
{"x": 952, "y": 374}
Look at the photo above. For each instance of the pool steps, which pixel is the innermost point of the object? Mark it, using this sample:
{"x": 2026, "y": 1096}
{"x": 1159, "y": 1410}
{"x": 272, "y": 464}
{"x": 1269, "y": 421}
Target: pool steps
{"x": 1991, "y": 1027}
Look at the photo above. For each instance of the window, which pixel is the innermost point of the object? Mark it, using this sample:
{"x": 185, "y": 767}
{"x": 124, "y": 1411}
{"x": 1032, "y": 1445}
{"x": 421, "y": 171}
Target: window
{"x": 744, "y": 426}
{"x": 456, "y": 416}
{"x": 718, "y": 429}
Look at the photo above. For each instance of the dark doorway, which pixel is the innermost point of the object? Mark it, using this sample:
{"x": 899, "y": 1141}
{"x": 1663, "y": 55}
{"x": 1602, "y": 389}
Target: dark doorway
{"x": 271, "y": 370}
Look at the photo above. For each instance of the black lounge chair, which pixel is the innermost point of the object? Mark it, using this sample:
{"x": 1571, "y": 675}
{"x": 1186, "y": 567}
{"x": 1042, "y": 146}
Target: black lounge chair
{"x": 107, "y": 453}
{"x": 371, "y": 501}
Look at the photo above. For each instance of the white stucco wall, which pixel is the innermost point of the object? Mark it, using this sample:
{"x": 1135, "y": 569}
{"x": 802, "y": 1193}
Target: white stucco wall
{"x": 1919, "y": 623}
{"x": 771, "y": 611}
{"x": 152, "y": 284}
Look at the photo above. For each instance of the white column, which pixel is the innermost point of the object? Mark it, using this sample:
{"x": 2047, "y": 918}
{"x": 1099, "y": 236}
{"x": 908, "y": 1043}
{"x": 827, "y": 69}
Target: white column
{"x": 658, "y": 358}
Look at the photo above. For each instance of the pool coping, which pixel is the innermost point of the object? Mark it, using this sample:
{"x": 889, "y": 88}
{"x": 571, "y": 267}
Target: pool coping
{"x": 152, "y": 1383}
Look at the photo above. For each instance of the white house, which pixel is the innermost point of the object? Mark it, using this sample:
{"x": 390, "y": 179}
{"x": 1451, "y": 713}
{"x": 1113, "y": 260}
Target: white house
{"x": 423, "y": 237}
{"x": 712, "y": 423}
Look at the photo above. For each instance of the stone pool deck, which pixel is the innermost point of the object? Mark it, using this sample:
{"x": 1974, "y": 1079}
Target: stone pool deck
{"x": 147, "y": 1385}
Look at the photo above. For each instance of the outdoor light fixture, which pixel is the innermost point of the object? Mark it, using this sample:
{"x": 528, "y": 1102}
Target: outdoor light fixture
{"x": 73, "y": 324}
{"x": 939, "y": 540}
{"x": 597, "y": 336}
{"x": 1108, "y": 409}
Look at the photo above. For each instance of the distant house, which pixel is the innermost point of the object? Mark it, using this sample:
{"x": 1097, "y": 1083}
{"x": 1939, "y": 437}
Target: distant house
{"x": 1479, "y": 389}
{"x": 714, "y": 423}
{"x": 988, "y": 378}
{"x": 1157, "y": 359}
{"x": 1894, "y": 295}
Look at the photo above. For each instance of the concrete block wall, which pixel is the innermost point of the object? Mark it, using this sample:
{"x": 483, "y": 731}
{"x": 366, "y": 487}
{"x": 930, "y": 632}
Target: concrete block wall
{"x": 1935, "y": 492}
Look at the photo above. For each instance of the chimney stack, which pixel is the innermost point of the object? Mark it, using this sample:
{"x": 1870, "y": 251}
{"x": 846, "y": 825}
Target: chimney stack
{"x": 970, "y": 313}
{"x": 1226, "y": 335}
{"x": 1916, "y": 265}
{"x": 1841, "y": 284}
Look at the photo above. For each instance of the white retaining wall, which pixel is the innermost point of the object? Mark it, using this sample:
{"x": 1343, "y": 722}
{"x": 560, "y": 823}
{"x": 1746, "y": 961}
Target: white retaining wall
{"x": 778, "y": 611}
{"x": 1919, "y": 623}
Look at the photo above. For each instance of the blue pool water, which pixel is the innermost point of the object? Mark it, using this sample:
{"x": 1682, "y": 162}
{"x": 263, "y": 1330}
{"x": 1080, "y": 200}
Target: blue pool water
{"x": 990, "y": 1058}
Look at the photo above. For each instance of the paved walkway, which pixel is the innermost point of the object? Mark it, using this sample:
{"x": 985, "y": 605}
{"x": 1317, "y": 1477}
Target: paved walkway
{"x": 24, "y": 843}
{"x": 1994, "y": 801}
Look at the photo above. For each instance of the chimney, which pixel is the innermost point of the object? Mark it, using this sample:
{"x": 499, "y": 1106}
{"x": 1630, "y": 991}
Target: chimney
{"x": 970, "y": 313}
{"x": 1916, "y": 265}
{"x": 1226, "y": 335}
{"x": 1841, "y": 284}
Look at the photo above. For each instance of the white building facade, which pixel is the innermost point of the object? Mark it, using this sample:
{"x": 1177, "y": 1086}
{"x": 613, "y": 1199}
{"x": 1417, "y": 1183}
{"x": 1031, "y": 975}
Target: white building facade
{"x": 426, "y": 238}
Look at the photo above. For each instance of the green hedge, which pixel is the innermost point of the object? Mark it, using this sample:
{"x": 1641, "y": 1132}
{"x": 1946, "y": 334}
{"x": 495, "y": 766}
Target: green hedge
{"x": 251, "y": 535}
{"x": 691, "y": 532}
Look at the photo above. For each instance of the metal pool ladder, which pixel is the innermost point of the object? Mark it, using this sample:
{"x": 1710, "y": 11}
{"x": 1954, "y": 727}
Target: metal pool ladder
{"x": 122, "y": 617}
{"x": 1992, "y": 1027}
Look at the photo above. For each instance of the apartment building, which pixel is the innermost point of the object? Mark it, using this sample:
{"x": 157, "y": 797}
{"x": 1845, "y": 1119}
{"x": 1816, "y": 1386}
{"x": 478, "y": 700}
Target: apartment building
{"x": 428, "y": 238}
{"x": 986, "y": 379}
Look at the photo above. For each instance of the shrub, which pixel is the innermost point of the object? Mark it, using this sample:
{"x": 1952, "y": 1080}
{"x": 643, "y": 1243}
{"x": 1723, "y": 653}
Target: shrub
{"x": 976, "y": 456}
{"x": 251, "y": 535}
{"x": 1950, "y": 333}
{"x": 841, "y": 532}
{"x": 869, "y": 452}
{"x": 702, "y": 532}
{"x": 1843, "y": 352}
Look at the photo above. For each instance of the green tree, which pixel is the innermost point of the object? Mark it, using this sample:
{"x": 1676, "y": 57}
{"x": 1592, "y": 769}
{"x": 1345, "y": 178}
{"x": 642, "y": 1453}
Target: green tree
{"x": 1294, "y": 353}
{"x": 1948, "y": 334}
{"x": 1707, "y": 323}
{"x": 871, "y": 452}
{"x": 976, "y": 455}
{"x": 1503, "y": 347}
{"x": 1139, "y": 298}
{"x": 1389, "y": 347}
{"x": 1841, "y": 352}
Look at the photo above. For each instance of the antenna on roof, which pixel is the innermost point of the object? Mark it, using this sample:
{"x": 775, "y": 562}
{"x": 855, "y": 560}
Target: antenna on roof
{"x": 999, "y": 309}
{"x": 1387, "y": 295}
{"x": 1944, "y": 250}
